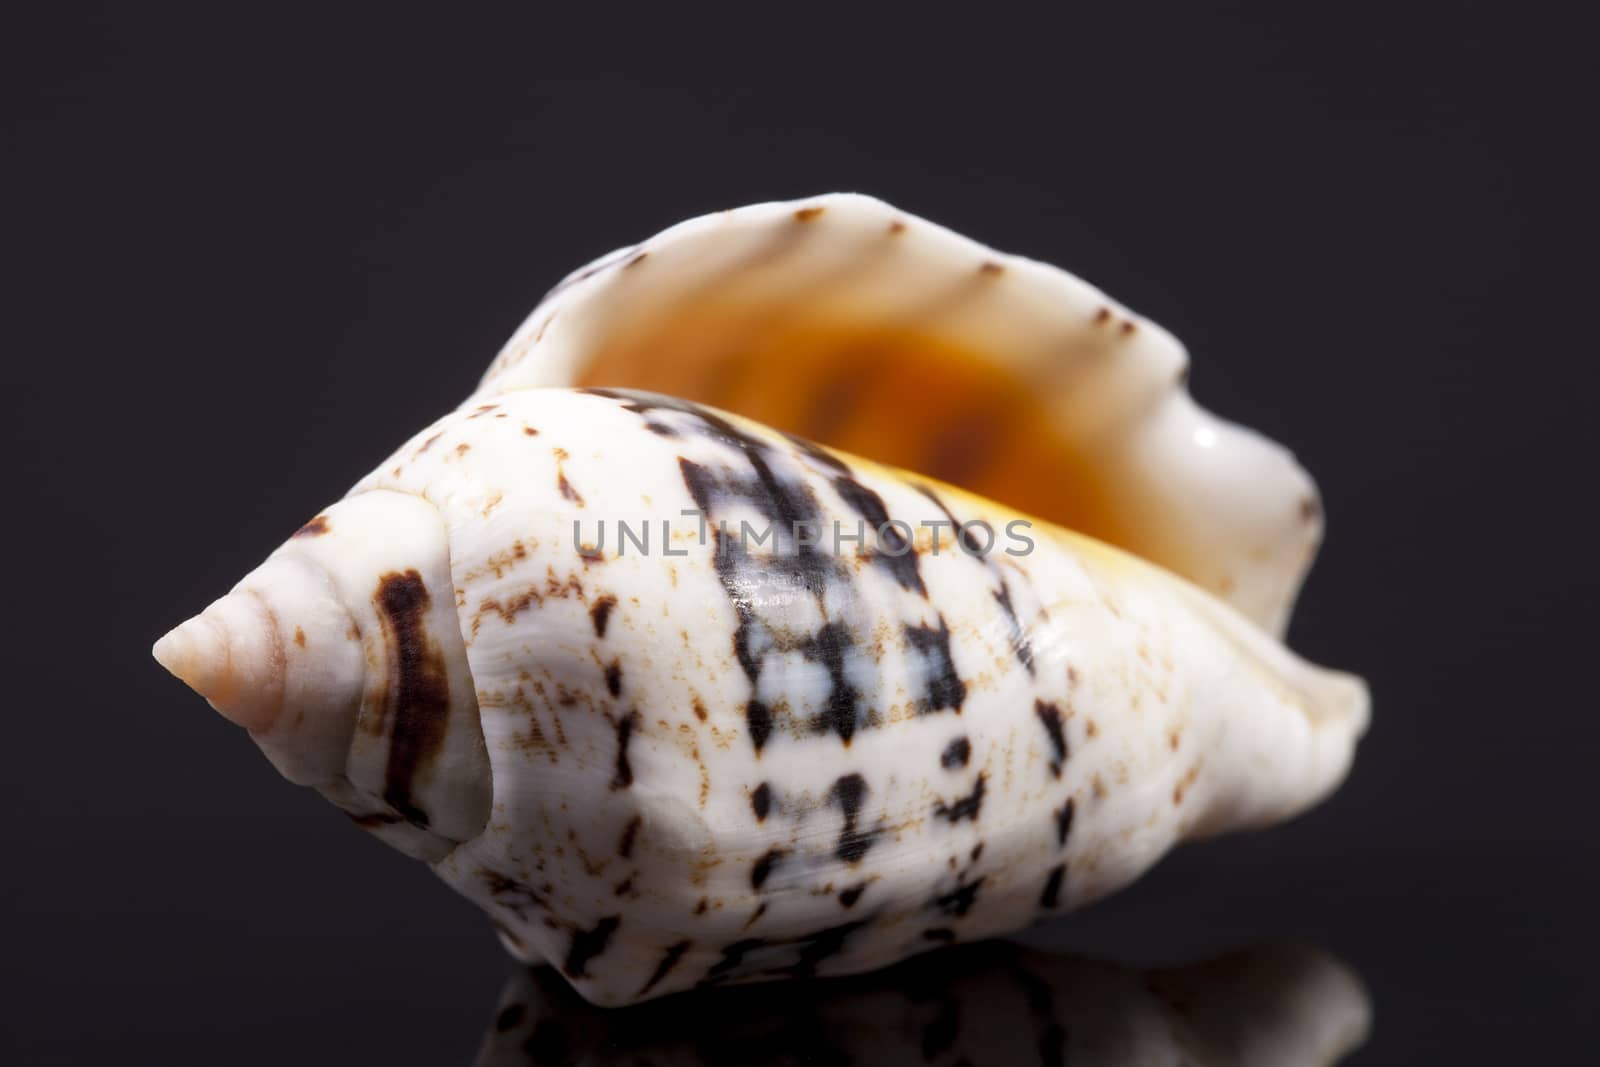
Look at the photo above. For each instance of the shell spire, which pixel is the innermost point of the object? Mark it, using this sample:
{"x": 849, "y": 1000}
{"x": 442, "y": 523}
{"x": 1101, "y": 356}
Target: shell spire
{"x": 230, "y": 655}
{"x": 342, "y": 657}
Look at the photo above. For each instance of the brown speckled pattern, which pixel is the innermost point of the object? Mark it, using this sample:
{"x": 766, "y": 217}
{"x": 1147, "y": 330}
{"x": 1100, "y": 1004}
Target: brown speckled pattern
{"x": 717, "y": 764}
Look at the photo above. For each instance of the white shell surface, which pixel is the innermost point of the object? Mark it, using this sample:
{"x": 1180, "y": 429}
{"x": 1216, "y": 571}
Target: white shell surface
{"x": 720, "y": 766}
{"x": 1203, "y": 497}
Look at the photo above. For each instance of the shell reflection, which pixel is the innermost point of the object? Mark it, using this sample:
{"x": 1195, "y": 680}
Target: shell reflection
{"x": 993, "y": 1004}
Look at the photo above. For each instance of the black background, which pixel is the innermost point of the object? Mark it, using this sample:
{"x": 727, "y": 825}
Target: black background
{"x": 253, "y": 248}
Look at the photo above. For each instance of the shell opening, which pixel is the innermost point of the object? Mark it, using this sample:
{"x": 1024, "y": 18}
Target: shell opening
{"x": 847, "y": 322}
{"x": 895, "y": 394}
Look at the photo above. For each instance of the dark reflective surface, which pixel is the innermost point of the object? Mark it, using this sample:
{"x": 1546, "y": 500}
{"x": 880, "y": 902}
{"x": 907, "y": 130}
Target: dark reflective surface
{"x": 363, "y": 957}
{"x": 992, "y": 1005}
{"x": 259, "y": 245}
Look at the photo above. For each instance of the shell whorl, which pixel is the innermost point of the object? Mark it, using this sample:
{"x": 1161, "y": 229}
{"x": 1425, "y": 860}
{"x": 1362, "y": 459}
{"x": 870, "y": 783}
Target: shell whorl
{"x": 342, "y": 656}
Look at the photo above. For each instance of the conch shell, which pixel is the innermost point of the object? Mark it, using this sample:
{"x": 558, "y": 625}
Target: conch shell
{"x": 669, "y": 754}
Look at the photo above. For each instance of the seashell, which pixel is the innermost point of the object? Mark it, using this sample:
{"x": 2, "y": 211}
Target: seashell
{"x": 667, "y": 754}
{"x": 992, "y": 1005}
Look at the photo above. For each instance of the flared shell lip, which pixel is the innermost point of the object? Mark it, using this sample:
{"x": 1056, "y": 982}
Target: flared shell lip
{"x": 1060, "y": 294}
{"x": 1259, "y": 555}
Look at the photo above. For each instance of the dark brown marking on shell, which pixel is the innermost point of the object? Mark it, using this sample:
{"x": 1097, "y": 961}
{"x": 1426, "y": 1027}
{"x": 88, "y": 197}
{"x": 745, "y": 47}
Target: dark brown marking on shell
{"x": 732, "y": 956}
{"x": 562, "y": 484}
{"x": 1128, "y": 327}
{"x": 300, "y": 636}
{"x": 509, "y": 934}
{"x": 418, "y": 689}
{"x": 629, "y": 833}
{"x": 749, "y": 660}
{"x": 624, "y": 887}
{"x": 567, "y": 490}
{"x": 699, "y": 708}
{"x": 977, "y": 850}
{"x": 482, "y": 410}
{"x": 898, "y": 557}
{"x": 764, "y": 866}
{"x": 623, "y": 778}
{"x": 1050, "y": 897}
{"x": 700, "y": 908}
{"x": 1184, "y": 783}
{"x": 463, "y": 448}
{"x": 849, "y": 896}
{"x": 530, "y": 431}
{"x": 809, "y": 950}
{"x": 614, "y": 678}
{"x": 828, "y": 646}
{"x": 669, "y": 960}
{"x": 758, "y": 475}
{"x": 814, "y": 948}
{"x": 590, "y": 554}
{"x": 928, "y": 491}
{"x": 808, "y": 214}
{"x": 755, "y": 916}
{"x": 1050, "y": 716}
{"x": 510, "y": 1017}
{"x": 590, "y": 271}
{"x": 515, "y": 896}
{"x": 1021, "y": 646}
{"x": 315, "y": 528}
{"x": 635, "y": 259}
{"x": 897, "y": 227}
{"x": 510, "y": 609}
{"x": 1310, "y": 508}
{"x": 956, "y": 754}
{"x": 759, "y": 718}
{"x": 959, "y": 900}
{"x": 600, "y": 614}
{"x": 969, "y": 541}
{"x": 944, "y": 687}
{"x": 1102, "y": 316}
{"x": 822, "y": 456}
{"x": 991, "y": 269}
{"x": 967, "y": 807}
{"x": 761, "y": 801}
{"x": 429, "y": 442}
{"x": 1064, "y": 822}
{"x": 368, "y": 820}
{"x": 848, "y": 792}
{"x": 588, "y": 944}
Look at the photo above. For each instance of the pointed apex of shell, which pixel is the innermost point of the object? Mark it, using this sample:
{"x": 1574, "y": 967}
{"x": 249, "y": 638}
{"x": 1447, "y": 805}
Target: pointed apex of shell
{"x": 195, "y": 654}
{"x": 224, "y": 654}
